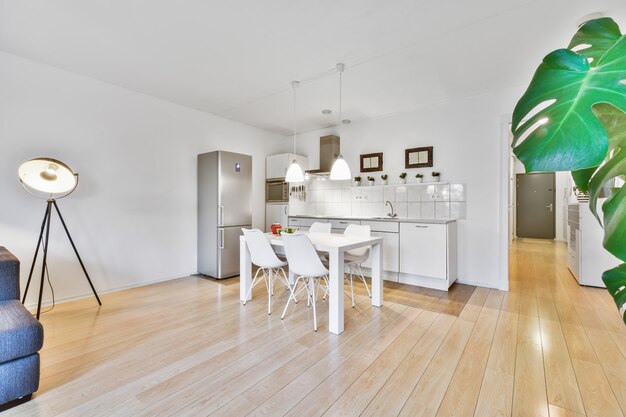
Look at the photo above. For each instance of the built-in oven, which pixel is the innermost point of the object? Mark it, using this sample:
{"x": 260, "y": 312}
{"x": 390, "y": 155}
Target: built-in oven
{"x": 276, "y": 191}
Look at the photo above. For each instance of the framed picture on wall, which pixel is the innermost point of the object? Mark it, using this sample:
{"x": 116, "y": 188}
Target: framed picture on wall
{"x": 418, "y": 157}
{"x": 371, "y": 162}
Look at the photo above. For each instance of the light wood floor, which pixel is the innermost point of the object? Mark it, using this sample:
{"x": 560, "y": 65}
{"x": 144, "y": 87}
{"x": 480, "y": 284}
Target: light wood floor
{"x": 189, "y": 348}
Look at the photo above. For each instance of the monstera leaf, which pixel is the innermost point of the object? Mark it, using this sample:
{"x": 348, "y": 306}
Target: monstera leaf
{"x": 572, "y": 117}
{"x": 614, "y": 208}
{"x": 615, "y": 280}
{"x": 554, "y": 126}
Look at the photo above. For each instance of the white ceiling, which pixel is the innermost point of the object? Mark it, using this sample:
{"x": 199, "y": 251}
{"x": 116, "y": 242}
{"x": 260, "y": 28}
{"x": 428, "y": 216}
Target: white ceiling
{"x": 236, "y": 58}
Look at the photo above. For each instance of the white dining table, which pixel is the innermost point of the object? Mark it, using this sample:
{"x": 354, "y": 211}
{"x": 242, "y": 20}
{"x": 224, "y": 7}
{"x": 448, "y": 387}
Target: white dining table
{"x": 335, "y": 245}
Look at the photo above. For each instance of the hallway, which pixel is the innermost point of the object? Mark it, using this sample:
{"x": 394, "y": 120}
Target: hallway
{"x": 571, "y": 341}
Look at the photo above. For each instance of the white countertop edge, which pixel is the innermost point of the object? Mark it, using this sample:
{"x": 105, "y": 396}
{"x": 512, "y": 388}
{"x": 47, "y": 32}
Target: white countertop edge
{"x": 396, "y": 219}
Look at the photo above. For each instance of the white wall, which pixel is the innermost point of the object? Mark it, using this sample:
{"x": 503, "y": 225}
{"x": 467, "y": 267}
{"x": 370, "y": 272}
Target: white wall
{"x": 133, "y": 216}
{"x": 466, "y": 136}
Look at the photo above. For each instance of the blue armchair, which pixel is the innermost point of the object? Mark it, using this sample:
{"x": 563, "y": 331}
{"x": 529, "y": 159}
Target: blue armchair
{"x": 21, "y": 336}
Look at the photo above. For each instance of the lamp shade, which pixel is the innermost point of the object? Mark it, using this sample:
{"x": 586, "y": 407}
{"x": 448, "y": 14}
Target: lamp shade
{"x": 294, "y": 173}
{"x": 340, "y": 170}
{"x": 48, "y": 176}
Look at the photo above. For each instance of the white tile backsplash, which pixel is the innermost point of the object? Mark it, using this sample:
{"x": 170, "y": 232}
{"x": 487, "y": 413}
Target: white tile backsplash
{"x": 457, "y": 192}
{"x": 458, "y": 210}
{"x": 337, "y": 195}
{"x": 378, "y": 195}
{"x": 389, "y": 194}
{"x": 401, "y": 194}
{"x": 442, "y": 210}
{"x": 366, "y": 195}
{"x": 346, "y": 195}
{"x": 401, "y": 209}
{"x": 428, "y": 210}
{"x": 341, "y": 198}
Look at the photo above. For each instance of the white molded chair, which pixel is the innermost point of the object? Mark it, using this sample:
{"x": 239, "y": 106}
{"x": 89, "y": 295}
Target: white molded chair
{"x": 306, "y": 265}
{"x": 318, "y": 227}
{"x": 263, "y": 256}
{"x": 355, "y": 257}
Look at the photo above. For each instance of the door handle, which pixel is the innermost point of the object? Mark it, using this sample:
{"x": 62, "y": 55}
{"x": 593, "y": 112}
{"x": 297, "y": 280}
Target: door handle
{"x": 220, "y": 236}
{"x": 422, "y": 227}
{"x": 551, "y": 207}
{"x": 285, "y": 210}
{"x": 220, "y": 215}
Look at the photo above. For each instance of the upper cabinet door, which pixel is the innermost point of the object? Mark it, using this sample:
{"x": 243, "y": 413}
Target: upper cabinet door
{"x": 276, "y": 166}
{"x": 302, "y": 160}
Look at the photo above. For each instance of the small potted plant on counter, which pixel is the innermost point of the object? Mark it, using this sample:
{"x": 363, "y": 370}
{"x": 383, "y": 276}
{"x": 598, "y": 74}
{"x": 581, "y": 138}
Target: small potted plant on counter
{"x": 370, "y": 180}
{"x": 436, "y": 176}
{"x": 403, "y": 178}
{"x": 357, "y": 181}
{"x": 419, "y": 177}
{"x": 384, "y": 178}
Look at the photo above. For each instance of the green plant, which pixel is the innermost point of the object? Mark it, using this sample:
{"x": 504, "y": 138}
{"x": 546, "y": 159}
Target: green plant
{"x": 370, "y": 179}
{"x": 357, "y": 179}
{"x": 403, "y": 175}
{"x": 436, "y": 174}
{"x": 419, "y": 175}
{"x": 384, "y": 177}
{"x": 572, "y": 117}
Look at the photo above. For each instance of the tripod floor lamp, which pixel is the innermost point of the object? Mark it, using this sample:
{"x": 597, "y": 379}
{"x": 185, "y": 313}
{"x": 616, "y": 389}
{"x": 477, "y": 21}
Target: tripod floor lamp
{"x": 49, "y": 179}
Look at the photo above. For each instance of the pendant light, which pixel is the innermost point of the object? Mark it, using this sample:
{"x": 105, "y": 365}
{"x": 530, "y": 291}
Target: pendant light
{"x": 294, "y": 173}
{"x": 340, "y": 170}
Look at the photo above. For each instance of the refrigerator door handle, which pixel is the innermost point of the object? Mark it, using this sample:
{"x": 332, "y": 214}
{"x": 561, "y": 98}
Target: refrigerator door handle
{"x": 220, "y": 236}
{"x": 220, "y": 215}
{"x": 285, "y": 210}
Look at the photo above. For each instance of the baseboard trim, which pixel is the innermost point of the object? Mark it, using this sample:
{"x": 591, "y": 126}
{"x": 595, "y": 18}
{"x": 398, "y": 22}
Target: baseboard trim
{"x": 48, "y": 303}
{"x": 477, "y": 283}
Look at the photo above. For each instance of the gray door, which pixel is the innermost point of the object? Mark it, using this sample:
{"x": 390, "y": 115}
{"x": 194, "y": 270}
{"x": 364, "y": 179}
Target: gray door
{"x": 228, "y": 251}
{"x": 235, "y": 193}
{"x": 535, "y": 205}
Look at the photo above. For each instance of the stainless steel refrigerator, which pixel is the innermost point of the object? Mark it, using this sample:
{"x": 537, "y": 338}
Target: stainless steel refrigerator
{"x": 224, "y": 207}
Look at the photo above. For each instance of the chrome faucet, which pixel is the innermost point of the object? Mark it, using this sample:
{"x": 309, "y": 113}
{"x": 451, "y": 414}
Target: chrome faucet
{"x": 391, "y": 214}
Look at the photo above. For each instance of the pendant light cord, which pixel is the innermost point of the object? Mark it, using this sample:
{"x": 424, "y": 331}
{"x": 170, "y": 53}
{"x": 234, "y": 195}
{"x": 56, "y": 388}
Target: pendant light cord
{"x": 295, "y": 115}
{"x": 340, "y": 107}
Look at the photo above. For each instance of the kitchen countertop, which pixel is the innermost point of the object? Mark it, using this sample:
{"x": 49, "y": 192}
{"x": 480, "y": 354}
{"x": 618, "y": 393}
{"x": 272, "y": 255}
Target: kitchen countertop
{"x": 378, "y": 219}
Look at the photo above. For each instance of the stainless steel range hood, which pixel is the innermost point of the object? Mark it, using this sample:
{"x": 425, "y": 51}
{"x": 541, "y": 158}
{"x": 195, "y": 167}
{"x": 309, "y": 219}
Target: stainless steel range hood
{"x": 329, "y": 150}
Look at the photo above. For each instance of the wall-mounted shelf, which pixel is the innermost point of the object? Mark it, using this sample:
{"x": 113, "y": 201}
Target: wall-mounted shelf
{"x": 410, "y": 184}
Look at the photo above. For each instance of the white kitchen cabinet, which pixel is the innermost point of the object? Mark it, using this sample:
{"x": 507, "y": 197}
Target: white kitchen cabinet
{"x": 276, "y": 213}
{"x": 391, "y": 255}
{"x": 587, "y": 258}
{"x": 276, "y": 166}
{"x": 422, "y": 254}
{"x": 428, "y": 254}
{"x": 339, "y": 226}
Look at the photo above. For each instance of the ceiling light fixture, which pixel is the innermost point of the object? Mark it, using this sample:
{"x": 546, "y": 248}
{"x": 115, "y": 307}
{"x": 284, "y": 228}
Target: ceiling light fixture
{"x": 340, "y": 170}
{"x": 294, "y": 173}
